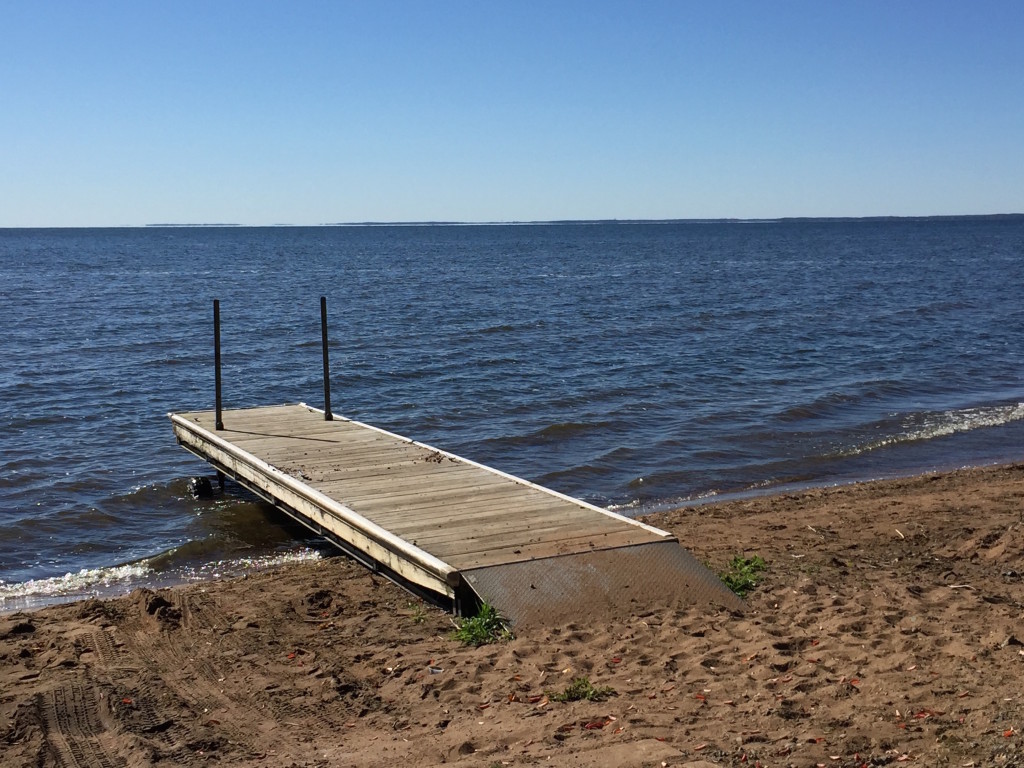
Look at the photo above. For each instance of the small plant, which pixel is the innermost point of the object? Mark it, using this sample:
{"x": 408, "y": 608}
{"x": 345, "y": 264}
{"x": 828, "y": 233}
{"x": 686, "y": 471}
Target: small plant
{"x": 742, "y": 574}
{"x": 581, "y": 689}
{"x": 419, "y": 613}
{"x": 484, "y": 628}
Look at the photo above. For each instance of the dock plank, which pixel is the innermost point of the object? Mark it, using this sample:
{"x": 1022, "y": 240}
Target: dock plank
{"x": 492, "y": 512}
{"x": 436, "y": 487}
{"x": 466, "y": 559}
{"x": 468, "y": 539}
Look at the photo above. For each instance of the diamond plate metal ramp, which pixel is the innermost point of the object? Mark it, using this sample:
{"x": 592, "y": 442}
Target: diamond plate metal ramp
{"x": 600, "y": 583}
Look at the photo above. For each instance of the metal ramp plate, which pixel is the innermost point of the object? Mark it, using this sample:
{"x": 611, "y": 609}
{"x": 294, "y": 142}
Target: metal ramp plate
{"x": 610, "y": 582}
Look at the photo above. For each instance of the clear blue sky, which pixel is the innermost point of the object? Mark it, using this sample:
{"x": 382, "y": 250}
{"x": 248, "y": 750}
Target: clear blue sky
{"x": 252, "y": 112}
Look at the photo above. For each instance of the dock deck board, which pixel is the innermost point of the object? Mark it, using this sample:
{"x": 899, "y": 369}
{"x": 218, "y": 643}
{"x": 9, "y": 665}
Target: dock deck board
{"x": 386, "y": 493}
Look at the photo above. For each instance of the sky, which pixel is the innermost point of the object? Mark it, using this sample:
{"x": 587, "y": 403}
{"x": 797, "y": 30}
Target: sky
{"x": 134, "y": 112}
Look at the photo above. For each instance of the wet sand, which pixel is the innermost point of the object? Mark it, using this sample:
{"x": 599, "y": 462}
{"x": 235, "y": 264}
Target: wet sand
{"x": 887, "y": 629}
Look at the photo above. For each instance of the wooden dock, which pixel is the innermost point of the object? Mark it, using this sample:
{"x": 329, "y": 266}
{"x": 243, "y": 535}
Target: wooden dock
{"x": 434, "y": 521}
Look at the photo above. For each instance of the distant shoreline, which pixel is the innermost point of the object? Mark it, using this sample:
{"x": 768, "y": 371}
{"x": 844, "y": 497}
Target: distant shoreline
{"x": 573, "y": 222}
{"x": 989, "y": 217}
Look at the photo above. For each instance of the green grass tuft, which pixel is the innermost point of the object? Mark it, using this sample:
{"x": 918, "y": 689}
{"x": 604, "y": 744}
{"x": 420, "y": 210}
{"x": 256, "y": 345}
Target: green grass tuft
{"x": 484, "y": 628}
{"x": 418, "y": 613}
{"x": 742, "y": 575}
{"x": 581, "y": 689}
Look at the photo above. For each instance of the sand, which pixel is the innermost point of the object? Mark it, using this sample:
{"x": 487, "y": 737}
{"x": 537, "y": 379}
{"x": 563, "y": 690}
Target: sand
{"x": 887, "y": 629}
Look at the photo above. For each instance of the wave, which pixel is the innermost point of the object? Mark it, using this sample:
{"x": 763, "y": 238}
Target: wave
{"x": 820, "y": 407}
{"x": 839, "y": 402}
{"x": 88, "y": 581}
{"x": 184, "y": 555}
{"x": 578, "y": 474}
{"x": 236, "y": 566}
{"x": 120, "y": 579}
{"x": 502, "y": 328}
{"x": 552, "y": 433}
{"x": 929, "y": 426}
{"x": 568, "y": 429}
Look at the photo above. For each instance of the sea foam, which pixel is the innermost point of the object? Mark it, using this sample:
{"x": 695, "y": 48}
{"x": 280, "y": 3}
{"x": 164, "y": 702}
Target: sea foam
{"x": 120, "y": 579}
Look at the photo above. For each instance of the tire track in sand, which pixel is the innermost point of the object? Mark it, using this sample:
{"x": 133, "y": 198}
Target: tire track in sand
{"x": 73, "y": 728}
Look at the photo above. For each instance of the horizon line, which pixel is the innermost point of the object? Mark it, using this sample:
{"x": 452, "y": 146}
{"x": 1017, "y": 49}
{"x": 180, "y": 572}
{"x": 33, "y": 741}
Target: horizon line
{"x": 540, "y": 222}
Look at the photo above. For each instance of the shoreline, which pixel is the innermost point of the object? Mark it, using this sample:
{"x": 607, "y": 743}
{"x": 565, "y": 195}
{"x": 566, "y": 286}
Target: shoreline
{"x": 111, "y": 582}
{"x": 720, "y": 498}
{"x": 886, "y": 629}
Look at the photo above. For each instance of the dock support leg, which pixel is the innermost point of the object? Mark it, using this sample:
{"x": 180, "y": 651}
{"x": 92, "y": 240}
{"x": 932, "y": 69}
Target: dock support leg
{"x": 327, "y": 367}
{"x": 220, "y": 480}
{"x": 219, "y": 423}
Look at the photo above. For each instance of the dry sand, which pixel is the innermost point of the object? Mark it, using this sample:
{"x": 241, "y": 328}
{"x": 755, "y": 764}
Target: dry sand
{"x": 888, "y": 629}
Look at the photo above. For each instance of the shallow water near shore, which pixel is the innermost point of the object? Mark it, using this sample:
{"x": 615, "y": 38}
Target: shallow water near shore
{"x": 636, "y": 365}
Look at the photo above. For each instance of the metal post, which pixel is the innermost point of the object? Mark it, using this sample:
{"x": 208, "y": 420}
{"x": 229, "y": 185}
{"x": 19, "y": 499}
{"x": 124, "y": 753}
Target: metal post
{"x": 219, "y": 424}
{"x": 328, "y": 416}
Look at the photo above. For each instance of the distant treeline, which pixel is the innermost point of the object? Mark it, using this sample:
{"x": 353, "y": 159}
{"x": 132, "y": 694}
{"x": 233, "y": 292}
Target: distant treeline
{"x": 784, "y": 219}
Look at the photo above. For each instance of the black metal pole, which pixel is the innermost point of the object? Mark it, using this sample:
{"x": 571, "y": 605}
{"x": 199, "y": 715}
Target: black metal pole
{"x": 219, "y": 424}
{"x": 328, "y": 416}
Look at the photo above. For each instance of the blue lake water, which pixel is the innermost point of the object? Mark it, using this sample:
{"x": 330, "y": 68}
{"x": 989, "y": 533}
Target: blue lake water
{"x": 635, "y": 365}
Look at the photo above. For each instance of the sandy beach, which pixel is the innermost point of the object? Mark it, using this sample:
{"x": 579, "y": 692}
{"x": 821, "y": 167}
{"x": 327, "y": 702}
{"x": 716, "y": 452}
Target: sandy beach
{"x": 888, "y": 628}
